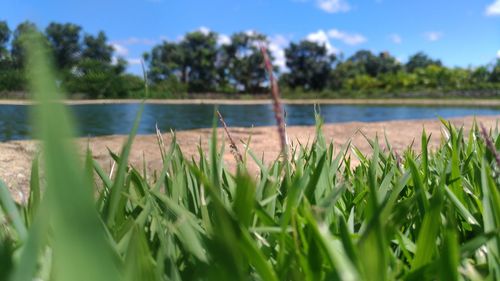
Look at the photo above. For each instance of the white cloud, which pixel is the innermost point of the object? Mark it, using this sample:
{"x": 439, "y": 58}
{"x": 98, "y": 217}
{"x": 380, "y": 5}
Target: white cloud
{"x": 179, "y": 38}
{"x": 120, "y": 49}
{"x": 250, "y": 32}
{"x": 321, "y": 37}
{"x": 280, "y": 40}
{"x": 223, "y": 39}
{"x": 396, "y": 38}
{"x": 203, "y": 29}
{"x": 130, "y": 61}
{"x": 493, "y": 9}
{"x": 433, "y": 36}
{"x": 349, "y": 39}
{"x": 498, "y": 54}
{"x": 277, "y": 46}
{"x": 333, "y": 6}
{"x": 134, "y": 61}
{"x": 139, "y": 41}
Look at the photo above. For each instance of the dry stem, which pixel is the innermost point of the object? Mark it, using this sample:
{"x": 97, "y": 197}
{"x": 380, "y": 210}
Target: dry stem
{"x": 277, "y": 106}
{"x": 234, "y": 149}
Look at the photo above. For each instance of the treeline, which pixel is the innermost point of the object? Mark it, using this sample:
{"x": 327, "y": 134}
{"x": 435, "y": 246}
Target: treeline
{"x": 202, "y": 63}
{"x": 199, "y": 64}
{"x": 86, "y": 63}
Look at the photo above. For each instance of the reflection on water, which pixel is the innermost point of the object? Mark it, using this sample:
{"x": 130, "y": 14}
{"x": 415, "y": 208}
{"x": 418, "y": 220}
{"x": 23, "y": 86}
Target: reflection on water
{"x": 109, "y": 119}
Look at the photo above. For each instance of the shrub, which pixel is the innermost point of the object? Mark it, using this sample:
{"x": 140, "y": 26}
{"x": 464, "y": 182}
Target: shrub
{"x": 12, "y": 80}
{"x": 171, "y": 87}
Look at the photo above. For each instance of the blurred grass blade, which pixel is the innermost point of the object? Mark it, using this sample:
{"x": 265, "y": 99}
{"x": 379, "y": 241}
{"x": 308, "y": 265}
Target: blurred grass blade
{"x": 9, "y": 207}
{"x": 35, "y": 193}
{"x": 70, "y": 204}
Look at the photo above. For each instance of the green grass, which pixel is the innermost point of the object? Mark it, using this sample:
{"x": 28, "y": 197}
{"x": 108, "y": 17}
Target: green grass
{"x": 429, "y": 215}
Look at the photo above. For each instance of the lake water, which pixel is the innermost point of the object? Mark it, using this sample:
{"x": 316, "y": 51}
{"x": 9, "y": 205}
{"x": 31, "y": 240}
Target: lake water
{"x": 110, "y": 119}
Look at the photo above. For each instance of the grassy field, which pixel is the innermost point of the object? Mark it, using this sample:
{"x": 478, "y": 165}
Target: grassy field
{"x": 306, "y": 216}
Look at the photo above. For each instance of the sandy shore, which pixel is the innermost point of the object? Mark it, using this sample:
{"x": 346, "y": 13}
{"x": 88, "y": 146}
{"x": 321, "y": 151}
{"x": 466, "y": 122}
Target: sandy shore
{"x": 440, "y": 102}
{"x": 16, "y": 156}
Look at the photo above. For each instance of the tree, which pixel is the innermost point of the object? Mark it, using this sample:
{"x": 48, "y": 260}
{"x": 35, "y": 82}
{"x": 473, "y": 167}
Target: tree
{"x": 98, "y": 79}
{"x": 420, "y": 60}
{"x": 495, "y": 73}
{"x": 432, "y": 76}
{"x": 97, "y": 48}
{"x": 245, "y": 61}
{"x": 65, "y": 42}
{"x": 388, "y": 64}
{"x": 192, "y": 61}
{"x": 200, "y": 53}
{"x": 4, "y": 39}
{"x": 367, "y": 63}
{"x": 222, "y": 63}
{"x": 343, "y": 70}
{"x": 96, "y": 74}
{"x": 21, "y": 35}
{"x": 165, "y": 61}
{"x": 479, "y": 75}
{"x": 309, "y": 64}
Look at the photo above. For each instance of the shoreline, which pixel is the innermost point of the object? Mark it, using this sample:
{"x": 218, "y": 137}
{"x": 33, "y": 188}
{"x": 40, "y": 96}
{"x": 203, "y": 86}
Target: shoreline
{"x": 421, "y": 102}
{"x": 16, "y": 156}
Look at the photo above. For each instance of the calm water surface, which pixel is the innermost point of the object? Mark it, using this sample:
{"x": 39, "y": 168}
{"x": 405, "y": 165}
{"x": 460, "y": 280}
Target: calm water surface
{"x": 109, "y": 119}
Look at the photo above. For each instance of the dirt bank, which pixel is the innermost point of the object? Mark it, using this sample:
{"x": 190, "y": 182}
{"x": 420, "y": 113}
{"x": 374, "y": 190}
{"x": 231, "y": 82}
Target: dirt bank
{"x": 15, "y": 156}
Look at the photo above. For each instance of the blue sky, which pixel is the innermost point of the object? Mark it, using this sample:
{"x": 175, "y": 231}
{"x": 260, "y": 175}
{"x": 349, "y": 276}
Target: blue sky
{"x": 459, "y": 32}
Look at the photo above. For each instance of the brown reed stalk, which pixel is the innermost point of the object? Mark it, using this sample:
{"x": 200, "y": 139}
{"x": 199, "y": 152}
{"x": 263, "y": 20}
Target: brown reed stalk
{"x": 277, "y": 106}
{"x": 234, "y": 149}
{"x": 490, "y": 145}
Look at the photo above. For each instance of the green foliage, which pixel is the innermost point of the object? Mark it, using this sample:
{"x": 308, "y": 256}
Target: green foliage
{"x": 65, "y": 43}
{"x": 86, "y": 64}
{"x": 169, "y": 88}
{"x": 12, "y": 80}
{"x": 495, "y": 74}
{"x": 200, "y": 53}
{"x": 192, "y": 61}
{"x": 244, "y": 61}
{"x": 98, "y": 79}
{"x": 18, "y": 53}
{"x": 361, "y": 82}
{"x": 204, "y": 62}
{"x": 165, "y": 62}
{"x": 420, "y": 60}
{"x": 97, "y": 48}
{"x": 4, "y": 38}
{"x": 433, "y": 215}
{"x": 366, "y": 63}
{"x": 309, "y": 65}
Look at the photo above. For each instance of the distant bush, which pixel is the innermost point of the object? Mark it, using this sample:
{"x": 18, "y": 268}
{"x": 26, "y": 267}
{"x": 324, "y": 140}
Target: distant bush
{"x": 169, "y": 88}
{"x": 12, "y": 80}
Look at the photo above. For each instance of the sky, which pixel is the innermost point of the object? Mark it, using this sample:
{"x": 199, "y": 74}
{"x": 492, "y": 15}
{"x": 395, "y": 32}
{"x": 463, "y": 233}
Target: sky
{"x": 459, "y": 32}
